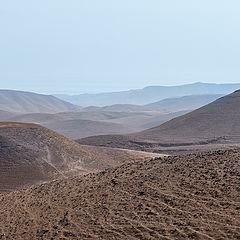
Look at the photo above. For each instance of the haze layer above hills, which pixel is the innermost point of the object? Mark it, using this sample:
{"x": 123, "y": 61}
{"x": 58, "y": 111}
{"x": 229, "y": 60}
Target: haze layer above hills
{"x": 149, "y": 94}
{"x": 31, "y": 154}
{"x": 189, "y": 197}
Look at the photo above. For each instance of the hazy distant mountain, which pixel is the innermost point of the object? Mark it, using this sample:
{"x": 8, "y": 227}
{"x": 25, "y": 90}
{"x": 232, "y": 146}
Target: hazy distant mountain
{"x": 115, "y": 119}
{"x": 81, "y": 124}
{"x": 149, "y": 94}
{"x": 168, "y": 105}
{"x": 183, "y": 103}
{"x": 117, "y": 108}
{"x": 28, "y": 102}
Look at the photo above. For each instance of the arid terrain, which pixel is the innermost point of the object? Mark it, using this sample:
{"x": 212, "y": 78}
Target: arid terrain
{"x": 190, "y": 197}
{"x": 119, "y": 120}
{"x": 213, "y": 126}
{"x": 76, "y": 122}
{"x": 142, "y": 185}
{"x": 31, "y": 154}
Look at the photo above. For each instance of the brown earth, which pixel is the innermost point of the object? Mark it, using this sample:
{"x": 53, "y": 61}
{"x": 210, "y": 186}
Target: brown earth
{"x": 31, "y": 154}
{"x": 189, "y": 197}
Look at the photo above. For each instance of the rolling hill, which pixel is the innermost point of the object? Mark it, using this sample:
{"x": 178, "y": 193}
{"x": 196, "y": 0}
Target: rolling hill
{"x": 85, "y": 128}
{"x": 168, "y": 105}
{"x": 220, "y": 119}
{"x": 28, "y": 102}
{"x": 217, "y": 123}
{"x": 115, "y": 119}
{"x": 79, "y": 124}
{"x": 189, "y": 197}
{"x": 92, "y": 121}
{"x": 149, "y": 94}
{"x": 31, "y": 154}
{"x": 117, "y": 108}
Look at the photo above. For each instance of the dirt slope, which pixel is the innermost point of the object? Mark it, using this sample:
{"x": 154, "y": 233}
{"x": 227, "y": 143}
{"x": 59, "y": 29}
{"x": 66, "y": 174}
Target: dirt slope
{"x": 30, "y": 154}
{"x": 189, "y": 197}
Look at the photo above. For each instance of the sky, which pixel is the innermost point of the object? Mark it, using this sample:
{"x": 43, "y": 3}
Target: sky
{"x": 76, "y": 46}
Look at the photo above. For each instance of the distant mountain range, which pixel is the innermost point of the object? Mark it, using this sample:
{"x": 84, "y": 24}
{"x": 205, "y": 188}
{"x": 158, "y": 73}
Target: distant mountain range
{"x": 29, "y": 102}
{"x": 75, "y": 122}
{"x": 149, "y": 94}
{"x": 167, "y": 105}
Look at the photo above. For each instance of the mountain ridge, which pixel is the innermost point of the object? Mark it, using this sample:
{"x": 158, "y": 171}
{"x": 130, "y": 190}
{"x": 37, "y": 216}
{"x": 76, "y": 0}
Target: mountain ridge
{"x": 149, "y": 94}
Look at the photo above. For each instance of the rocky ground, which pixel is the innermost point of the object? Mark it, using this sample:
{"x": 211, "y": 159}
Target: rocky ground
{"x": 196, "y": 196}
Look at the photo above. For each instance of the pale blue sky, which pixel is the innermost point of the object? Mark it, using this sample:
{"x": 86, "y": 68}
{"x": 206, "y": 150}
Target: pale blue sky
{"x": 75, "y": 46}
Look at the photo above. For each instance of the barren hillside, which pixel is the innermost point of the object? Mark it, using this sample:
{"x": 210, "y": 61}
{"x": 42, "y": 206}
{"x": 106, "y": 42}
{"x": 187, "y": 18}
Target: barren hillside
{"x": 32, "y": 154}
{"x": 189, "y": 197}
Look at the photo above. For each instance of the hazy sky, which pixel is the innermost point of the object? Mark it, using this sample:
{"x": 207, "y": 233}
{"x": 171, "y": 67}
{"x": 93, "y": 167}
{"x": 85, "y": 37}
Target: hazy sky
{"x": 78, "y": 46}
